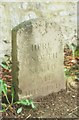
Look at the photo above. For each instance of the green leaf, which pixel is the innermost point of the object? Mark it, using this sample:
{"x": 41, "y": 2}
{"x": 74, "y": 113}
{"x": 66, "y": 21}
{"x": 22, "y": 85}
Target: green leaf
{"x": 65, "y": 69}
{"x": 67, "y": 72}
{"x": 1, "y": 80}
{"x": 32, "y": 104}
{"x": 3, "y": 110}
{"x": 19, "y": 110}
{"x": 0, "y": 87}
{"x": 26, "y": 103}
{"x": 77, "y": 53}
{"x": 3, "y": 105}
{"x": 23, "y": 102}
{"x": 4, "y": 66}
{"x": 4, "y": 89}
{"x": 73, "y": 45}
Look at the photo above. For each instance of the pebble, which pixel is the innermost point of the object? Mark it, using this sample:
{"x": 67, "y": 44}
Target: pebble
{"x": 67, "y": 109}
{"x": 73, "y": 96}
{"x": 47, "y": 107}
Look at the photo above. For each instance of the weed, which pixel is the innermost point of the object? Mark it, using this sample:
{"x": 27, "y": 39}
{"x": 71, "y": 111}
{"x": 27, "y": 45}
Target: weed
{"x": 4, "y": 91}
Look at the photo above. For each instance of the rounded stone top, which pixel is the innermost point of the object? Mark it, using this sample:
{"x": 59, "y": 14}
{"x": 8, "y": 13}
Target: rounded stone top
{"x": 34, "y": 22}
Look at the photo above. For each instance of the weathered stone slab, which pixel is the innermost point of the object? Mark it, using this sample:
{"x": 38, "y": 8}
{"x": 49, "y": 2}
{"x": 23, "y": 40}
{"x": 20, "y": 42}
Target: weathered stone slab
{"x": 37, "y": 52}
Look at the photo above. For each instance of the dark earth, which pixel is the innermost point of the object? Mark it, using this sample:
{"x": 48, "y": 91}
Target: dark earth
{"x": 64, "y": 104}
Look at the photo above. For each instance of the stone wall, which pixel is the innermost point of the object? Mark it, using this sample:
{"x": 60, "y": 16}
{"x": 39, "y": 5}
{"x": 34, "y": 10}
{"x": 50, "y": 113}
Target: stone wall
{"x": 12, "y": 14}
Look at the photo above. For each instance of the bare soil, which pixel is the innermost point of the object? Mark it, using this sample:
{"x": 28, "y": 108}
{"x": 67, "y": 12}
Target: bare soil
{"x": 64, "y": 104}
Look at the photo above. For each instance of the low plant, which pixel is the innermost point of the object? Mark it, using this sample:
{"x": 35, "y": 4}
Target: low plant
{"x": 4, "y": 90}
{"x": 67, "y": 72}
{"x": 9, "y": 104}
{"x": 77, "y": 52}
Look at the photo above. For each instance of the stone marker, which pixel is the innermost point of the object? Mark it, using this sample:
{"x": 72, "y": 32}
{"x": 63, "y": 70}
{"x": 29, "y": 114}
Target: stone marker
{"x": 37, "y": 52}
